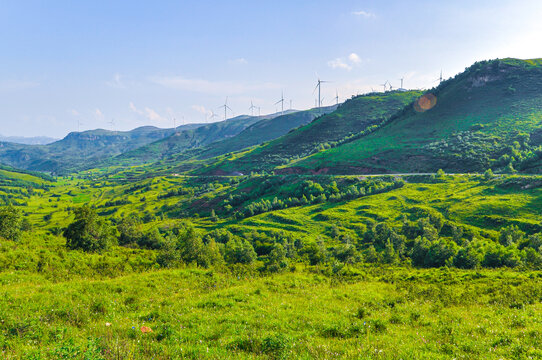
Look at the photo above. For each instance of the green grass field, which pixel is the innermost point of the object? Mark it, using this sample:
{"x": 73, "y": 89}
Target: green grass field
{"x": 121, "y": 303}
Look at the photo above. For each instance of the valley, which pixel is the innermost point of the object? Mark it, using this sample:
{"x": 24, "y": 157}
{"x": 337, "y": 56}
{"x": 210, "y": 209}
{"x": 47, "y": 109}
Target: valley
{"x": 395, "y": 225}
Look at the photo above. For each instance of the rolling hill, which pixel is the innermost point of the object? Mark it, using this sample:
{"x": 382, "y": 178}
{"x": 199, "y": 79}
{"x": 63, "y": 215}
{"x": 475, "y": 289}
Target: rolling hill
{"x": 351, "y": 117}
{"x": 262, "y": 131}
{"x": 489, "y": 116}
{"x": 34, "y": 140}
{"x": 80, "y": 150}
{"x": 184, "y": 140}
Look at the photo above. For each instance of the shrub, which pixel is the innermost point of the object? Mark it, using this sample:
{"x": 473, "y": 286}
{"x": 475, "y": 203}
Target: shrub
{"x": 239, "y": 251}
{"x": 88, "y": 232}
{"x": 10, "y": 223}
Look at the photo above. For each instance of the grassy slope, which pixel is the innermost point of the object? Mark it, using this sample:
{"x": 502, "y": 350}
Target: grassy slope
{"x": 185, "y": 140}
{"x": 353, "y": 116}
{"x": 56, "y": 302}
{"x": 495, "y": 100}
{"x": 264, "y": 130}
{"x": 467, "y": 201}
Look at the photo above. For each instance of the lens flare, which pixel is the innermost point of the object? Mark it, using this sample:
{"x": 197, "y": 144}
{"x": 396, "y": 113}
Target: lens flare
{"x": 426, "y": 102}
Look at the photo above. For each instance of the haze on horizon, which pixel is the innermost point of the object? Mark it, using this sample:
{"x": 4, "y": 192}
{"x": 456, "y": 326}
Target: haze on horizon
{"x": 145, "y": 64}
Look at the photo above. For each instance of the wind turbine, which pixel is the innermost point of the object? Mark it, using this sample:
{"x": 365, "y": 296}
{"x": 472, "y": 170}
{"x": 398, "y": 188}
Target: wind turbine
{"x": 337, "y": 96}
{"x": 259, "y": 111}
{"x": 281, "y": 101}
{"x": 319, "y": 86}
{"x": 440, "y": 77}
{"x": 213, "y": 115}
{"x": 79, "y": 123}
{"x": 226, "y": 107}
{"x": 252, "y": 107}
{"x": 112, "y": 123}
{"x": 290, "y": 104}
{"x": 401, "y": 79}
{"x": 384, "y": 85}
{"x": 174, "y": 124}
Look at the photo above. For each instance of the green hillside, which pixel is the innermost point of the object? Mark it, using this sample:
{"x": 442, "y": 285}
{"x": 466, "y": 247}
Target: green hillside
{"x": 80, "y": 150}
{"x": 489, "y": 116}
{"x": 351, "y": 117}
{"x": 262, "y": 131}
{"x": 184, "y": 140}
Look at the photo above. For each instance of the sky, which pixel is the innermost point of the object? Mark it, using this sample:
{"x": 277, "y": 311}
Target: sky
{"x": 79, "y": 65}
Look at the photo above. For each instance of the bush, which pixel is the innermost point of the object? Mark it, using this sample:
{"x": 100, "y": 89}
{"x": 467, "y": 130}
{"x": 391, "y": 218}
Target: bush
{"x": 10, "y": 223}
{"x": 88, "y": 232}
{"x": 239, "y": 251}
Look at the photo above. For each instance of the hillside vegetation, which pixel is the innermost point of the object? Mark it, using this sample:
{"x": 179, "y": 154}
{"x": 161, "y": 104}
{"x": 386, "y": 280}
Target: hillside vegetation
{"x": 200, "y": 267}
{"x": 262, "y": 131}
{"x": 351, "y": 117}
{"x": 184, "y": 140}
{"x": 486, "y": 117}
{"x": 79, "y": 150}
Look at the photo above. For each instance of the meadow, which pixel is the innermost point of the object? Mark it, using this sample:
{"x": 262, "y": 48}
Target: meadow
{"x": 272, "y": 267}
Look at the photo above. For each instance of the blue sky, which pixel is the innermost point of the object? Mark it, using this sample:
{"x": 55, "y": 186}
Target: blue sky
{"x": 145, "y": 63}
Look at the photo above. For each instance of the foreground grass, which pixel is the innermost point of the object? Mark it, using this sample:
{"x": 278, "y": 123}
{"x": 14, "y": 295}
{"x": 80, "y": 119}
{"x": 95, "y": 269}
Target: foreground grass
{"x": 198, "y": 314}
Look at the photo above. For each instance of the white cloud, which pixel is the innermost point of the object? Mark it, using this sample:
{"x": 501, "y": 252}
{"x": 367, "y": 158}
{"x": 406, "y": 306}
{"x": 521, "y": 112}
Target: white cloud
{"x": 153, "y": 115}
{"x": 339, "y": 63}
{"x": 148, "y": 113}
{"x": 210, "y": 87}
{"x": 238, "y": 61}
{"x": 202, "y": 109}
{"x": 365, "y": 14}
{"x": 354, "y": 58}
{"x": 345, "y": 63}
{"x": 116, "y": 82}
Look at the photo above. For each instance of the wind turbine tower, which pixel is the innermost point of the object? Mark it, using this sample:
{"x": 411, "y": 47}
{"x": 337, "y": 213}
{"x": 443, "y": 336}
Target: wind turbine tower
{"x": 384, "y": 85}
{"x": 213, "y": 115}
{"x": 226, "y": 107}
{"x": 319, "y": 87}
{"x": 281, "y": 101}
{"x": 251, "y": 108}
{"x": 337, "y": 96}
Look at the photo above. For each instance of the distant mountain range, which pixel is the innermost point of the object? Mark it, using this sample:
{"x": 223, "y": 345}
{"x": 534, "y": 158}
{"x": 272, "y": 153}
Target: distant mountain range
{"x": 36, "y": 140}
{"x": 98, "y": 148}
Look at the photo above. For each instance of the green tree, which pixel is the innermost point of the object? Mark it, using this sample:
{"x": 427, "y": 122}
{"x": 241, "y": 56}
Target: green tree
{"x": 239, "y": 251}
{"x": 277, "y": 260}
{"x": 488, "y": 174}
{"x": 390, "y": 255}
{"x": 88, "y": 232}
{"x": 10, "y": 223}
{"x": 129, "y": 231}
{"x": 510, "y": 235}
{"x": 316, "y": 253}
{"x": 190, "y": 245}
{"x": 371, "y": 256}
